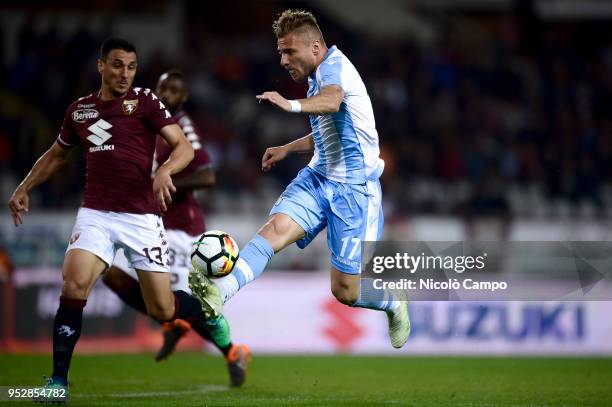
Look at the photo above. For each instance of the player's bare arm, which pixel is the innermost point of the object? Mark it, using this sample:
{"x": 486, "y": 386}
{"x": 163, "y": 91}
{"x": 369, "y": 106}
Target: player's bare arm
{"x": 47, "y": 165}
{"x": 326, "y": 102}
{"x": 181, "y": 156}
{"x": 203, "y": 178}
{"x": 272, "y": 155}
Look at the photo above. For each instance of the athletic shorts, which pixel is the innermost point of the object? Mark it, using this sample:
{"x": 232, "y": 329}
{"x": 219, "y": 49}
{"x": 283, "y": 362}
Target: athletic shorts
{"x": 352, "y": 213}
{"x": 141, "y": 236}
{"x": 179, "y": 259}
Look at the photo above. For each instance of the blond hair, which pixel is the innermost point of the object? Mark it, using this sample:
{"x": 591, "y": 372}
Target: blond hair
{"x": 301, "y": 21}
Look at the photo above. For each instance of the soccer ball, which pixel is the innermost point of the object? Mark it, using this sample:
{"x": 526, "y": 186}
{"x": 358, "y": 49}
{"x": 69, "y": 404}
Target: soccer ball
{"x": 214, "y": 254}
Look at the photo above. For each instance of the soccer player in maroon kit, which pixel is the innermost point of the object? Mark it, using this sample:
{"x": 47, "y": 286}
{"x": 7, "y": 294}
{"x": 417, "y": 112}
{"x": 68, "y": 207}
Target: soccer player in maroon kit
{"x": 184, "y": 223}
{"x": 117, "y": 128}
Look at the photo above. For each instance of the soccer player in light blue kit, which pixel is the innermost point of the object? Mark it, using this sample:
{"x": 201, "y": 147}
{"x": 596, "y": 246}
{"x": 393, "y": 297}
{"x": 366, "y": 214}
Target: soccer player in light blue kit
{"x": 339, "y": 188}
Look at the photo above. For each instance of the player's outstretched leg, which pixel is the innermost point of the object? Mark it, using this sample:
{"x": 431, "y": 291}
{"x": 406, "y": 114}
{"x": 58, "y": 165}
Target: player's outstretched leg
{"x": 214, "y": 293}
{"x": 186, "y": 307}
{"x": 128, "y": 289}
{"x": 279, "y": 231}
{"x": 207, "y": 292}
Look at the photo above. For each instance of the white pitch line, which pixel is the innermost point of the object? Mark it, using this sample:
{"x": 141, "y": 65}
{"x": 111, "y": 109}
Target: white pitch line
{"x": 203, "y": 389}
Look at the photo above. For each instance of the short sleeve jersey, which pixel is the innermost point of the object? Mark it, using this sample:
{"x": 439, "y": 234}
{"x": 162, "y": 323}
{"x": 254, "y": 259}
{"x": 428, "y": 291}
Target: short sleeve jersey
{"x": 118, "y": 138}
{"x": 346, "y": 142}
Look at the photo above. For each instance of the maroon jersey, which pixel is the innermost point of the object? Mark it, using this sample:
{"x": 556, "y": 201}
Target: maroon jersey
{"x": 118, "y": 137}
{"x": 184, "y": 213}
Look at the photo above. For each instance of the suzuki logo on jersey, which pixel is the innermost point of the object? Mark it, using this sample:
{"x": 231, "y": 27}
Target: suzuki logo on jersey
{"x": 82, "y": 115}
{"x": 100, "y": 136}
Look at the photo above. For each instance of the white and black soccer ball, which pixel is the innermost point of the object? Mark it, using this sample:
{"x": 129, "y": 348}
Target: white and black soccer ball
{"x": 214, "y": 254}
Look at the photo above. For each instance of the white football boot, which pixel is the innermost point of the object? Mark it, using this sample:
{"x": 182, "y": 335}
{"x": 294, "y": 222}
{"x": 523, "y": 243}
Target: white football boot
{"x": 208, "y": 293}
{"x": 399, "y": 321}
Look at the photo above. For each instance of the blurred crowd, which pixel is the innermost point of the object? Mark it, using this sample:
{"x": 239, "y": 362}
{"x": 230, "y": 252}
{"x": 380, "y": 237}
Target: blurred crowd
{"x": 497, "y": 117}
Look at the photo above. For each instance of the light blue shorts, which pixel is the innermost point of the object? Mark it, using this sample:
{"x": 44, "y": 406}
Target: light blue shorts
{"x": 352, "y": 214}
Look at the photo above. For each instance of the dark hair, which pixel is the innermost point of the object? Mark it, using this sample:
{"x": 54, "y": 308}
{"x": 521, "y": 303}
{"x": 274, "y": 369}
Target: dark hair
{"x": 175, "y": 73}
{"x": 297, "y": 20}
{"x": 115, "y": 43}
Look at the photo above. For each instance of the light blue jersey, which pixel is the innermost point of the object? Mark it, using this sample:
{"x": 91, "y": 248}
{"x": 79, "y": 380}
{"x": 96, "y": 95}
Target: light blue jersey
{"x": 339, "y": 189}
{"x": 346, "y": 142}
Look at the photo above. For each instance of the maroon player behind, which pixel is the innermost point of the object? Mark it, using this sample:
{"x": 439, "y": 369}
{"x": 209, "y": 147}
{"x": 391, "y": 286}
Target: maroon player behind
{"x": 184, "y": 223}
{"x": 116, "y": 127}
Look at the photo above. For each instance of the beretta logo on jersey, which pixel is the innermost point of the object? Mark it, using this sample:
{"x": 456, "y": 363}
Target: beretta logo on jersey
{"x": 129, "y": 106}
{"x": 82, "y": 115}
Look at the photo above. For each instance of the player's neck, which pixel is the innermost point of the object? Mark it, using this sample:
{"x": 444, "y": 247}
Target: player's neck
{"x": 105, "y": 94}
{"x": 321, "y": 56}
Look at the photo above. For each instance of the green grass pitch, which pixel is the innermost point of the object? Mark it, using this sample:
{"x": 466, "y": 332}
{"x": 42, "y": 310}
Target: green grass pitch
{"x": 199, "y": 379}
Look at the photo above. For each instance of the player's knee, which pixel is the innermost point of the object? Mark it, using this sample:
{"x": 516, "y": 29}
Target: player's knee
{"x": 272, "y": 229}
{"x": 75, "y": 287}
{"x": 273, "y": 232}
{"x": 280, "y": 231}
{"x": 345, "y": 294}
{"x": 160, "y": 312}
